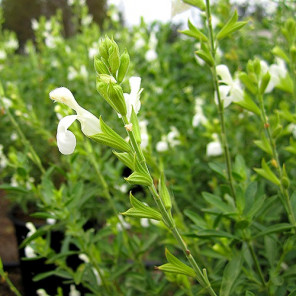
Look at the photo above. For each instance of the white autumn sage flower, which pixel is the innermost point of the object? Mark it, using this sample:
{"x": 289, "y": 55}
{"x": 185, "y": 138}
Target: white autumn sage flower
{"x": 41, "y": 292}
{"x": 162, "y": 145}
{"x": 214, "y": 148}
{"x": 123, "y": 224}
{"x": 231, "y": 90}
{"x": 199, "y": 117}
{"x": 169, "y": 140}
{"x": 29, "y": 251}
{"x": 74, "y": 291}
{"x": 144, "y": 222}
{"x": 277, "y": 71}
{"x": 90, "y": 124}
{"x": 132, "y": 100}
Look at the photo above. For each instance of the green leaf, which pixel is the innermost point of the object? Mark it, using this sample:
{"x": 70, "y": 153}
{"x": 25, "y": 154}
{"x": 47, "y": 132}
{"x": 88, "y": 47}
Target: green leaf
{"x": 206, "y": 56}
{"x": 248, "y": 104}
{"x": 267, "y": 173}
{"x": 195, "y": 218}
{"x": 111, "y": 138}
{"x": 230, "y": 274}
{"x": 256, "y": 206}
{"x": 197, "y": 3}
{"x": 273, "y": 229}
{"x": 13, "y": 188}
{"x": 217, "y": 202}
{"x": 138, "y": 178}
{"x": 194, "y": 32}
{"x": 59, "y": 273}
{"x": 280, "y": 53}
{"x": 140, "y": 210}
{"x": 263, "y": 144}
{"x": 164, "y": 192}
{"x": 211, "y": 233}
{"x": 218, "y": 168}
{"x": 39, "y": 232}
{"x": 136, "y": 128}
{"x": 176, "y": 266}
{"x": 249, "y": 83}
{"x": 126, "y": 158}
{"x": 231, "y": 26}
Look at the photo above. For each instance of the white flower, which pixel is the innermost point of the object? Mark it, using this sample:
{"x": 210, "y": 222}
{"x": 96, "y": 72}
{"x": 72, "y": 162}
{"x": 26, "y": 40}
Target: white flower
{"x": 151, "y": 55}
{"x": 2, "y": 55}
{"x": 231, "y": 91}
{"x": 73, "y": 291}
{"x": 90, "y": 124}
{"x": 84, "y": 258}
{"x": 144, "y": 222}
{"x": 172, "y": 135}
{"x": 51, "y": 221}
{"x": 86, "y": 21}
{"x": 123, "y": 224}
{"x": 92, "y": 52}
{"x": 277, "y": 72}
{"x": 12, "y": 44}
{"x": 162, "y": 145}
{"x": 70, "y": 2}
{"x": 122, "y": 188}
{"x": 34, "y": 24}
{"x": 41, "y": 292}
{"x": 214, "y": 148}
{"x": 30, "y": 253}
{"x": 31, "y": 227}
{"x": 132, "y": 100}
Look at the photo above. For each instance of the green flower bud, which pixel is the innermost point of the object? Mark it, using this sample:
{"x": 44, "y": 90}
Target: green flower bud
{"x": 106, "y": 78}
{"x": 100, "y": 67}
{"x": 264, "y": 82}
{"x": 104, "y": 47}
{"x": 115, "y": 95}
{"x": 124, "y": 63}
{"x": 114, "y": 59}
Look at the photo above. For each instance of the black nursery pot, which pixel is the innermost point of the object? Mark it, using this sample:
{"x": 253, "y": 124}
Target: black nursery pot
{"x": 30, "y": 268}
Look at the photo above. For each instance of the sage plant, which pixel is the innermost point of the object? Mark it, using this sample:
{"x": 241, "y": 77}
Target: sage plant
{"x": 111, "y": 68}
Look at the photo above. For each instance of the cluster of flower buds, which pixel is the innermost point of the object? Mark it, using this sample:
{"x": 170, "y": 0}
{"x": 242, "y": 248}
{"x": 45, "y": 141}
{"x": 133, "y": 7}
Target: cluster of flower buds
{"x": 111, "y": 68}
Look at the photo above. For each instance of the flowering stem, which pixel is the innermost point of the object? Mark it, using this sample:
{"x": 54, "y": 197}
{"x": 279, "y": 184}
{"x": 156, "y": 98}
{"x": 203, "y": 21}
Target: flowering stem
{"x": 111, "y": 201}
{"x": 283, "y": 190}
{"x": 220, "y": 104}
{"x": 167, "y": 217}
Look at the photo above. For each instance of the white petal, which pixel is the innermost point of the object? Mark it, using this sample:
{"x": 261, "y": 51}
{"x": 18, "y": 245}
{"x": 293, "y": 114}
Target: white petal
{"x": 90, "y": 124}
{"x": 214, "y": 149}
{"x": 64, "y": 95}
{"x": 65, "y": 139}
{"x": 223, "y": 72}
{"x": 135, "y": 83}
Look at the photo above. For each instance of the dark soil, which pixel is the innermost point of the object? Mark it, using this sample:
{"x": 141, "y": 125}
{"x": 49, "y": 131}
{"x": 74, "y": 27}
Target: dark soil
{"x": 8, "y": 250}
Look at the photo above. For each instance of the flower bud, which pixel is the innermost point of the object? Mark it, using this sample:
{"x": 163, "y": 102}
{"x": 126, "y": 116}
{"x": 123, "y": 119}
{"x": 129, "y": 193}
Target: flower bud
{"x": 104, "y": 47}
{"x": 115, "y": 95}
{"x": 100, "y": 67}
{"x": 124, "y": 63}
{"x": 113, "y": 58}
{"x": 107, "y": 78}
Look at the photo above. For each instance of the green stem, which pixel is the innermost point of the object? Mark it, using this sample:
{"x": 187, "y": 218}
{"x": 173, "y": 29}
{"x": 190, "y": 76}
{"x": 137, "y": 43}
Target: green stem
{"x": 284, "y": 192}
{"x": 111, "y": 201}
{"x": 220, "y": 104}
{"x": 257, "y": 265}
{"x": 5, "y": 277}
{"x": 167, "y": 217}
